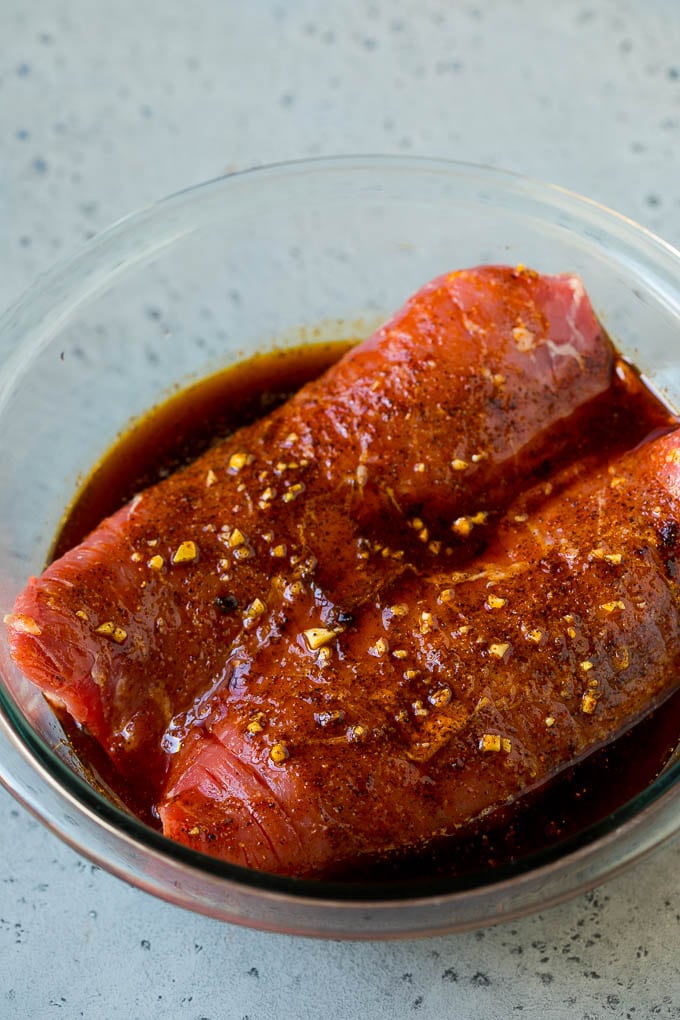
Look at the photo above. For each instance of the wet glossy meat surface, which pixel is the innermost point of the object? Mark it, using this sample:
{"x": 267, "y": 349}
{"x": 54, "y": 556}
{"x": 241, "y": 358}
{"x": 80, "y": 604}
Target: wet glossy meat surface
{"x": 417, "y": 590}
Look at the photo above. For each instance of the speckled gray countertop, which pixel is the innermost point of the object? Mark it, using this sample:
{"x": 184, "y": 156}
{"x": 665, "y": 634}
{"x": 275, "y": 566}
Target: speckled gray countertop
{"x": 107, "y": 106}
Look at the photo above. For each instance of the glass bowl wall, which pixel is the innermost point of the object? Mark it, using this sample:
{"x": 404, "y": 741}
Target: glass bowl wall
{"x": 281, "y": 256}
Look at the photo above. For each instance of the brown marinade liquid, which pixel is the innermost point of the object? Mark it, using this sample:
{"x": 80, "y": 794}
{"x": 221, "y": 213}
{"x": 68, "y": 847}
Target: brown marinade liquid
{"x": 181, "y": 428}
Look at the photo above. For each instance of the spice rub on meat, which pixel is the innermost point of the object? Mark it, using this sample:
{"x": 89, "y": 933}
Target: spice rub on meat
{"x": 451, "y": 694}
{"x": 326, "y": 638}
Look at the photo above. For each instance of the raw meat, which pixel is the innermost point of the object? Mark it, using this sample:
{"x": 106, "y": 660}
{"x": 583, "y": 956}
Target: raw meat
{"x": 211, "y": 597}
{"x": 452, "y": 693}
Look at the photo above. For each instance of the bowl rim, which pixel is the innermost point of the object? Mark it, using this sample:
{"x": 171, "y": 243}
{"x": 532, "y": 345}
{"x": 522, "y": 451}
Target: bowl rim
{"x": 82, "y": 797}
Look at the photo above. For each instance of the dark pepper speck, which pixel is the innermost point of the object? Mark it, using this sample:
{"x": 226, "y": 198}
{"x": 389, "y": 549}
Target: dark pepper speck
{"x": 226, "y": 603}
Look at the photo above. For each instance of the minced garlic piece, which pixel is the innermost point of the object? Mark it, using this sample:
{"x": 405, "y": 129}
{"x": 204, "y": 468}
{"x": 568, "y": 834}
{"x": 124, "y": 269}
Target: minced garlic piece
{"x": 588, "y": 703}
{"x": 417, "y": 524}
{"x": 316, "y": 637}
{"x": 586, "y": 665}
{"x": 462, "y": 526}
{"x": 549, "y": 721}
{"x": 499, "y": 650}
{"x": 495, "y": 602}
{"x": 112, "y": 631}
{"x": 357, "y": 732}
{"x": 186, "y": 552}
{"x": 476, "y": 457}
{"x": 610, "y": 607}
{"x": 292, "y": 590}
{"x": 293, "y": 493}
{"x": 243, "y": 552}
{"x": 534, "y": 635}
{"x": 81, "y": 614}
{"x": 279, "y": 551}
{"x": 419, "y": 709}
{"x": 459, "y": 465}
{"x": 435, "y": 548}
{"x": 600, "y": 554}
{"x": 424, "y": 535}
{"x": 379, "y": 648}
{"x": 425, "y": 622}
{"x": 524, "y": 338}
{"x": 23, "y": 624}
{"x": 136, "y": 557}
{"x": 155, "y": 563}
{"x": 236, "y": 538}
{"x": 419, "y": 467}
{"x": 506, "y": 745}
{"x": 238, "y": 461}
{"x": 400, "y": 609}
{"x": 399, "y": 653}
{"x": 571, "y": 632}
{"x": 411, "y": 674}
{"x": 210, "y": 478}
{"x": 490, "y": 742}
{"x": 279, "y": 753}
{"x": 257, "y": 723}
{"x": 442, "y": 696}
{"x": 256, "y": 608}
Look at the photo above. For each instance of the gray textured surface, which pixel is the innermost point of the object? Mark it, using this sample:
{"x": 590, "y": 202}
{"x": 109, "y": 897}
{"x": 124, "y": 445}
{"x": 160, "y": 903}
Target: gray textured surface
{"x": 106, "y": 106}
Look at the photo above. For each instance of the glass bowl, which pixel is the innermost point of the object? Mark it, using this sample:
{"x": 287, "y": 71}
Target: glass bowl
{"x": 280, "y": 256}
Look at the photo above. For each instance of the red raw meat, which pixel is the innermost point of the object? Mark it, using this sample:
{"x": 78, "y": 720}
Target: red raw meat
{"x": 452, "y": 692}
{"x": 188, "y": 607}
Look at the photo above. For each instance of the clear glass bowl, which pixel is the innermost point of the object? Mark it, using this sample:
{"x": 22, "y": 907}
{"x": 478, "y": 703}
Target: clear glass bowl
{"x": 279, "y": 256}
